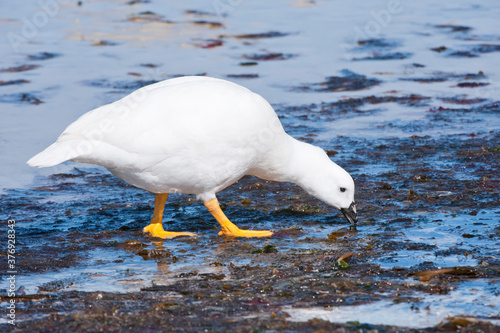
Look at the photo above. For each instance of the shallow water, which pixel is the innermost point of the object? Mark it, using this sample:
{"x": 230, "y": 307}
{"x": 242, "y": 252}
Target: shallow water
{"x": 478, "y": 298}
{"x": 407, "y": 101}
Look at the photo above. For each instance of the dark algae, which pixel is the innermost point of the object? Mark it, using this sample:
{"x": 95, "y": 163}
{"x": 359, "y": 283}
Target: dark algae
{"x": 349, "y": 81}
{"x": 251, "y": 283}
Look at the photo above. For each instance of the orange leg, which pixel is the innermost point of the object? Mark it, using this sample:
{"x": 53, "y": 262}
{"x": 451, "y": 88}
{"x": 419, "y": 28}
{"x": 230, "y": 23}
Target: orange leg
{"x": 228, "y": 228}
{"x": 155, "y": 228}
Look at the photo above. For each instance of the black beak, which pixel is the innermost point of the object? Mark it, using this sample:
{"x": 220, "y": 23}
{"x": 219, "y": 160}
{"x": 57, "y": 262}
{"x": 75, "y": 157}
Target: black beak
{"x": 350, "y": 213}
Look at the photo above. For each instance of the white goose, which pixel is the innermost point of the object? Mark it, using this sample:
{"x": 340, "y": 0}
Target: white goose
{"x": 198, "y": 135}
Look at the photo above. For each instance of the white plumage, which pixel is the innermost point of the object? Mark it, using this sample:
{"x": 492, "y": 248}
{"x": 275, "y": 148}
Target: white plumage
{"x": 197, "y": 135}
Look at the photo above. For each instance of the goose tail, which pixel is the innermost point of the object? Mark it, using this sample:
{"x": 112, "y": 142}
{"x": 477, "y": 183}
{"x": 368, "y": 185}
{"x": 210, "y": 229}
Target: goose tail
{"x": 56, "y": 153}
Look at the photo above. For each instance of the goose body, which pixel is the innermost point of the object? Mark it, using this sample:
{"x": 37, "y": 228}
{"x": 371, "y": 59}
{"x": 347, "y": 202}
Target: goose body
{"x": 197, "y": 135}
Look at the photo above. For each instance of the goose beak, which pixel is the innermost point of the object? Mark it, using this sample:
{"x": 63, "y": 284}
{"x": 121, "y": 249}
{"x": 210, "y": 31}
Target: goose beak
{"x": 350, "y": 213}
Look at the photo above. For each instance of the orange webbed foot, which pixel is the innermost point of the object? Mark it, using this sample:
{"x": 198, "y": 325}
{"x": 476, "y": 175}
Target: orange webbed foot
{"x": 156, "y": 230}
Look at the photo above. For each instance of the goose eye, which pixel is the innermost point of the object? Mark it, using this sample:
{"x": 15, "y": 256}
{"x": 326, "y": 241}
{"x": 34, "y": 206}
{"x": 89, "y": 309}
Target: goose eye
{"x": 342, "y": 189}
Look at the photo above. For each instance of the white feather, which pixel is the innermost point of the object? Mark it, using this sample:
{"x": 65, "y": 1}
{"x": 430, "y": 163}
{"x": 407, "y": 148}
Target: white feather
{"x": 196, "y": 135}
